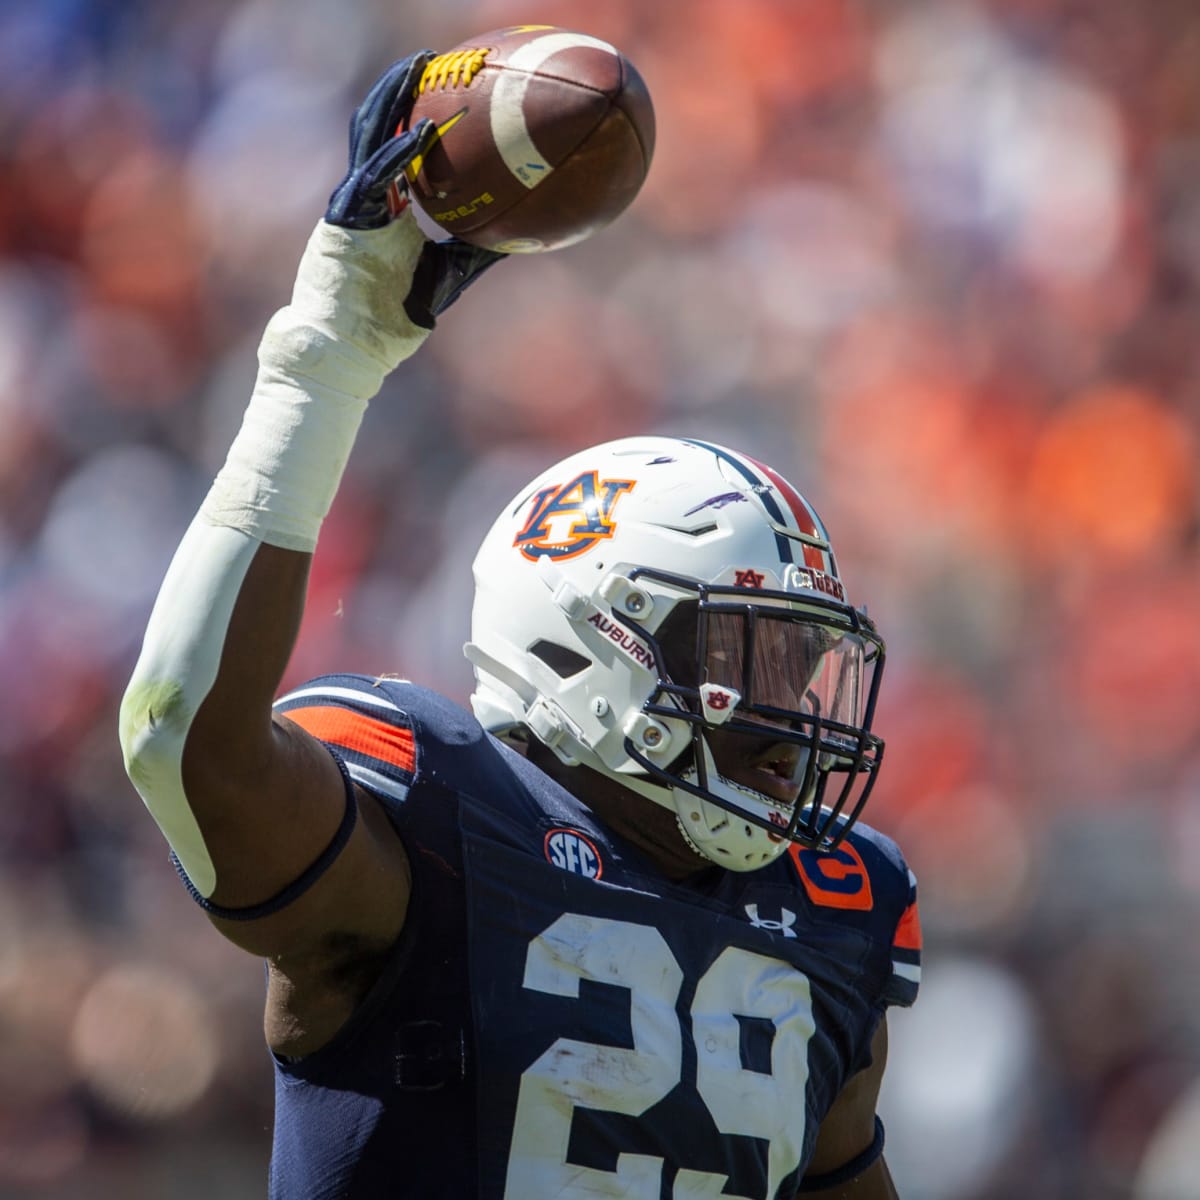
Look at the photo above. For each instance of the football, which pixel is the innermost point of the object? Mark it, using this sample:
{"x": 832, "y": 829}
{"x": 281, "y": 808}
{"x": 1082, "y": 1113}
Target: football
{"x": 545, "y": 136}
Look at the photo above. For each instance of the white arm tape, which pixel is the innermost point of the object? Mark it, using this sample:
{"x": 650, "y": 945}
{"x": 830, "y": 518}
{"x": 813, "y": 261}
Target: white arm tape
{"x": 321, "y": 359}
{"x": 175, "y": 672}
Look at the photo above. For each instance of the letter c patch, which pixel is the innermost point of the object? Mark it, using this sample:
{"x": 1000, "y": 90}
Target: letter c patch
{"x": 834, "y": 878}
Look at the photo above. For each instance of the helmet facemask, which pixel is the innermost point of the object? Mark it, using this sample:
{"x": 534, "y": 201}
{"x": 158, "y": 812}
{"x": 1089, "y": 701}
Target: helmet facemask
{"x": 779, "y": 696}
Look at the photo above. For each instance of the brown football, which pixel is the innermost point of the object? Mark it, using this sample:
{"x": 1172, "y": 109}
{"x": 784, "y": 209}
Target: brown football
{"x": 546, "y": 136}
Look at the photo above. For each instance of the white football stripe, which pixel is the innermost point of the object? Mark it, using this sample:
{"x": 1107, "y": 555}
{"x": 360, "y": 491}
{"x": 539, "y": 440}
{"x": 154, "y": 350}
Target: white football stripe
{"x": 906, "y": 971}
{"x": 509, "y": 130}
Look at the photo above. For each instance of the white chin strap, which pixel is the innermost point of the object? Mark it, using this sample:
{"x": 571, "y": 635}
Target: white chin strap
{"x": 722, "y": 836}
{"x": 713, "y": 832}
{"x": 716, "y": 833}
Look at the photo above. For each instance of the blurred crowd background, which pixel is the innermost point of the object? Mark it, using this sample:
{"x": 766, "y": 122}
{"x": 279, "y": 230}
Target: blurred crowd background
{"x": 938, "y": 262}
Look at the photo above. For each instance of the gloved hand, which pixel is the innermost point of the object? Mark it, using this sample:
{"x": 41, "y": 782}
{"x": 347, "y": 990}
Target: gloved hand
{"x": 378, "y": 159}
{"x": 377, "y": 156}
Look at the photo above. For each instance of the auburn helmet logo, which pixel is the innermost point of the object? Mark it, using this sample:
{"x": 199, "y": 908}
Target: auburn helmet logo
{"x": 568, "y": 519}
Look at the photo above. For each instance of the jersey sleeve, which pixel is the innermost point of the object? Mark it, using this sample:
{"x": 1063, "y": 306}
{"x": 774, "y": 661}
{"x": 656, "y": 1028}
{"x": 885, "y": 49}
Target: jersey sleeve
{"x": 866, "y": 885}
{"x": 363, "y": 727}
{"x": 902, "y": 986}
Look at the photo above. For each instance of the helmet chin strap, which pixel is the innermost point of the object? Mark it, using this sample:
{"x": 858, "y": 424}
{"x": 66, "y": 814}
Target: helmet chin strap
{"x": 717, "y": 834}
{"x": 721, "y": 835}
{"x": 691, "y": 845}
{"x": 674, "y": 801}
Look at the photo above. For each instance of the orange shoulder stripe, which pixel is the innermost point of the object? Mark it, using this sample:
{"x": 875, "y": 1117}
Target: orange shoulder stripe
{"x": 908, "y": 932}
{"x": 354, "y": 731}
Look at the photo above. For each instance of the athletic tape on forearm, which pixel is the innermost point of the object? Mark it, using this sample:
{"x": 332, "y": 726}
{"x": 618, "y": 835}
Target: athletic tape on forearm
{"x": 176, "y": 670}
{"x": 321, "y": 359}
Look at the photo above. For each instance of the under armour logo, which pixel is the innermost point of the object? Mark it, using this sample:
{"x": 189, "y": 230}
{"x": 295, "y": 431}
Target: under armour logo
{"x": 785, "y": 926}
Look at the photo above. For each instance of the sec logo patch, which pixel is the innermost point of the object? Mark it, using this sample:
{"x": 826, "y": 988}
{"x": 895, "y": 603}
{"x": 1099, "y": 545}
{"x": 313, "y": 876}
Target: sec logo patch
{"x": 569, "y": 850}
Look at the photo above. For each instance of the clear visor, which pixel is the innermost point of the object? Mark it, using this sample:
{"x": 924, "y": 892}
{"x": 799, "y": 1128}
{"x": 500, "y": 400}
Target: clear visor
{"x": 787, "y": 664}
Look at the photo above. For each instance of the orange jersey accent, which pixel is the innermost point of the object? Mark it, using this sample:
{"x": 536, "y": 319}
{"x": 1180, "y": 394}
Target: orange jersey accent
{"x": 908, "y": 932}
{"x": 835, "y": 878}
{"x": 353, "y": 731}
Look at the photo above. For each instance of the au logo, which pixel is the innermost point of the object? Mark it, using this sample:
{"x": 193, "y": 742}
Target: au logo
{"x": 568, "y": 519}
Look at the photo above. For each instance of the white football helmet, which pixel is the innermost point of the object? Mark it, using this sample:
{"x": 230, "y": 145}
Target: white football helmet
{"x": 645, "y": 599}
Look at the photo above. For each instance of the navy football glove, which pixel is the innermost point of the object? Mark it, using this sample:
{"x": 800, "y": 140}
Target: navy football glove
{"x": 444, "y": 271}
{"x": 378, "y": 159}
{"x": 377, "y": 156}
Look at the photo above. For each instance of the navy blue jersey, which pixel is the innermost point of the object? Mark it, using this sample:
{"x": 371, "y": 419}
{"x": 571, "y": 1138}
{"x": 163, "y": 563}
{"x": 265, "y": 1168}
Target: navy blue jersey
{"x": 559, "y": 1020}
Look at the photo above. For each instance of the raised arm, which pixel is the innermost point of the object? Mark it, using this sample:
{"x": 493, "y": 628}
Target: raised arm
{"x": 272, "y": 838}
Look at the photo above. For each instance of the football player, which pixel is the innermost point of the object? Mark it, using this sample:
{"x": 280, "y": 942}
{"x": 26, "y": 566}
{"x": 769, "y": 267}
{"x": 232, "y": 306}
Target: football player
{"x": 618, "y": 933}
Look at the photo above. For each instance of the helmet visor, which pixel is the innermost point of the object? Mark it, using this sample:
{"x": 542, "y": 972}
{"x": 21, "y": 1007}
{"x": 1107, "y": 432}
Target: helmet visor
{"x": 786, "y": 667}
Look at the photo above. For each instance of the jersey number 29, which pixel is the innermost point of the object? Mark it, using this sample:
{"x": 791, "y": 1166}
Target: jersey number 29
{"x": 629, "y": 1081}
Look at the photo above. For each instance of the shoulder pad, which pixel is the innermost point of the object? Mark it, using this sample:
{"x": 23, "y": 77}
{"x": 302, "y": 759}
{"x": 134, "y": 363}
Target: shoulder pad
{"x": 362, "y": 725}
{"x": 867, "y": 876}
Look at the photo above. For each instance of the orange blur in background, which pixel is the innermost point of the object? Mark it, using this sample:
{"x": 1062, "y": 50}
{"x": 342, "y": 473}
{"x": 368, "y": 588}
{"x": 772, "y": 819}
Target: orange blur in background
{"x": 938, "y": 263}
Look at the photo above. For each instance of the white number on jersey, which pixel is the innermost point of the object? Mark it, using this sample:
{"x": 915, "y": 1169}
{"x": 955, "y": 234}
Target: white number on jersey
{"x": 571, "y": 1073}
